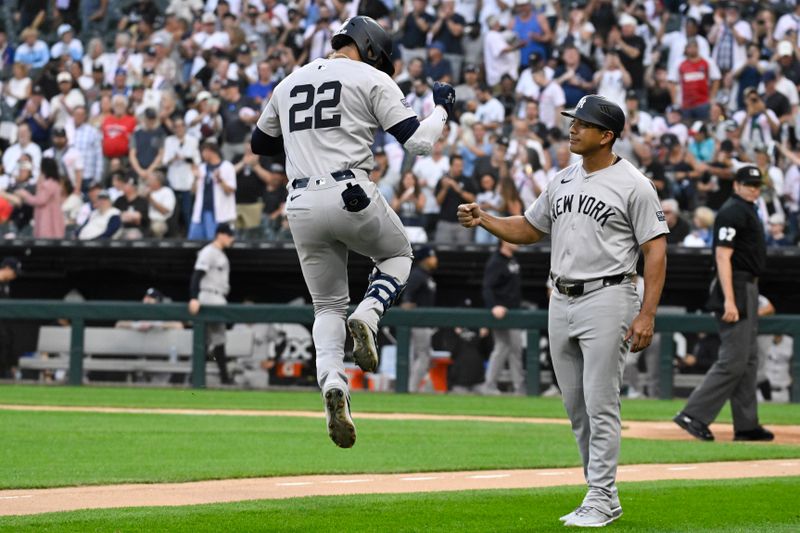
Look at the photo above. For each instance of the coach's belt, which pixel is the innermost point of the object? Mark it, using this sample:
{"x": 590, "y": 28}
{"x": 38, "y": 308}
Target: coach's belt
{"x": 213, "y": 291}
{"x": 579, "y": 288}
{"x": 339, "y": 175}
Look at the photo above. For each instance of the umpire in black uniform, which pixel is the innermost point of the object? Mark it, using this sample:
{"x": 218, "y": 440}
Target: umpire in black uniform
{"x": 740, "y": 252}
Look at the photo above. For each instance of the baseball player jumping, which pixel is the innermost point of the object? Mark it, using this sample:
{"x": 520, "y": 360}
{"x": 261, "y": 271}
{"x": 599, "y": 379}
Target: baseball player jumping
{"x": 599, "y": 212}
{"x": 324, "y": 117}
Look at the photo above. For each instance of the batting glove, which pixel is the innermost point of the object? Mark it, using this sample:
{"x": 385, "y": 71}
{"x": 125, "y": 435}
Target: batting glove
{"x": 444, "y": 95}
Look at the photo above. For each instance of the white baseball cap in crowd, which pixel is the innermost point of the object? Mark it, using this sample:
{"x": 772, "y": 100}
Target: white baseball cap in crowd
{"x": 521, "y": 2}
{"x": 627, "y": 20}
{"x": 64, "y": 77}
{"x": 785, "y": 48}
{"x": 64, "y": 28}
{"x": 208, "y": 18}
{"x": 202, "y": 95}
{"x": 777, "y": 219}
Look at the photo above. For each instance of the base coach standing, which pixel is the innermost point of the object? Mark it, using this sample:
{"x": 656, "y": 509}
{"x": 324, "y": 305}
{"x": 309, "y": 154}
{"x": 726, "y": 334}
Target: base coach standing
{"x": 600, "y": 214}
{"x": 740, "y": 253}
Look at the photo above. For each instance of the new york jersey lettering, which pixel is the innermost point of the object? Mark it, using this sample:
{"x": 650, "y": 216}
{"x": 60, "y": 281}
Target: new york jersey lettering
{"x": 587, "y": 205}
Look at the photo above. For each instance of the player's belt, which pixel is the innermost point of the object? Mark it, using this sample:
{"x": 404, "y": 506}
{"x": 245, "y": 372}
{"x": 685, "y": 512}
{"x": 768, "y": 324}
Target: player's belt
{"x": 339, "y": 175}
{"x": 213, "y": 291}
{"x": 579, "y": 288}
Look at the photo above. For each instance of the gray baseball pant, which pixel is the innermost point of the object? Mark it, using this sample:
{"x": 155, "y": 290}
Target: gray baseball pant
{"x": 507, "y": 348}
{"x": 421, "y": 351}
{"x": 588, "y": 349}
{"x": 733, "y": 375}
{"x": 215, "y": 331}
{"x": 323, "y": 233}
{"x": 452, "y": 233}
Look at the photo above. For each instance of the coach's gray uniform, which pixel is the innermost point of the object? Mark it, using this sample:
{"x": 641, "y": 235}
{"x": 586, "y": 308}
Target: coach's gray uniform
{"x": 214, "y": 286}
{"x": 597, "y": 222}
{"x": 328, "y": 112}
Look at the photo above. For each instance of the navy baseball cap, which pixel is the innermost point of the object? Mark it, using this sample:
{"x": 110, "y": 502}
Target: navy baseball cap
{"x": 224, "y": 228}
{"x": 424, "y": 252}
{"x": 12, "y": 263}
{"x": 155, "y": 294}
{"x": 600, "y": 111}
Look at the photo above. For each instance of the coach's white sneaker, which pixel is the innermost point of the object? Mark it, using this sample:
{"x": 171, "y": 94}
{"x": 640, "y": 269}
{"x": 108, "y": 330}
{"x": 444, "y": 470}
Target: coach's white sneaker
{"x": 590, "y": 517}
{"x": 568, "y": 516}
{"x": 365, "y": 346}
{"x": 341, "y": 429}
{"x": 616, "y": 512}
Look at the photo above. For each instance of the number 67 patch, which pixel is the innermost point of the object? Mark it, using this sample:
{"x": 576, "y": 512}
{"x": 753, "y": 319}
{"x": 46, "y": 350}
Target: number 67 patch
{"x": 726, "y": 233}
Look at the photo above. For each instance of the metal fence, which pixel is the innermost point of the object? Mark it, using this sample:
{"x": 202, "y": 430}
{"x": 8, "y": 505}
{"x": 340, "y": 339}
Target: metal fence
{"x": 533, "y": 322}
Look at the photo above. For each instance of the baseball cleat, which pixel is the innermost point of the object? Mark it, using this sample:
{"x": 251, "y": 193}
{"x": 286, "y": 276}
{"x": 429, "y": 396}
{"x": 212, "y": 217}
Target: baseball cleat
{"x": 341, "y": 429}
{"x": 365, "y": 345}
{"x": 694, "y": 427}
{"x": 591, "y": 517}
{"x": 616, "y": 512}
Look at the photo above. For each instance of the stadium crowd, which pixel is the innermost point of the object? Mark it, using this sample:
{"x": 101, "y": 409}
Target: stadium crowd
{"x": 132, "y": 120}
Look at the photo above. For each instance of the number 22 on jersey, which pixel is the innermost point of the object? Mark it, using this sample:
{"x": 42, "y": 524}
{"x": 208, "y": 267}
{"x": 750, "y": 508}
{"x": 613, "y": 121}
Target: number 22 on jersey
{"x": 326, "y": 96}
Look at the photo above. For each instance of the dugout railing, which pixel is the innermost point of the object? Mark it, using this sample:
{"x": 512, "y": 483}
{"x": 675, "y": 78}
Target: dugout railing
{"x": 534, "y": 322}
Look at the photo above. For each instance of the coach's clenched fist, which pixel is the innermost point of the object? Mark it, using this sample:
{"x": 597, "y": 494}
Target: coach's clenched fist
{"x": 469, "y": 215}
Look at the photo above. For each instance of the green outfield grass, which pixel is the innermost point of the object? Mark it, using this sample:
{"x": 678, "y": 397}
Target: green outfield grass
{"x": 46, "y": 449}
{"x": 364, "y": 402}
{"x": 755, "y": 505}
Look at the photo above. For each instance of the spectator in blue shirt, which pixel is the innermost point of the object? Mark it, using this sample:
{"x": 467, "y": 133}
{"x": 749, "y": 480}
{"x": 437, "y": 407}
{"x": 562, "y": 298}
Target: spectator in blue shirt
{"x": 438, "y": 68}
{"x": 473, "y": 145}
{"x": 260, "y": 90}
{"x": 32, "y": 51}
{"x": 776, "y": 231}
{"x": 574, "y": 76}
{"x": 67, "y": 44}
{"x": 533, "y": 31}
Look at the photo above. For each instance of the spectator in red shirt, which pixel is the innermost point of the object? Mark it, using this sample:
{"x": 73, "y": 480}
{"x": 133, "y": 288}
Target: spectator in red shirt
{"x": 698, "y": 80}
{"x": 117, "y": 128}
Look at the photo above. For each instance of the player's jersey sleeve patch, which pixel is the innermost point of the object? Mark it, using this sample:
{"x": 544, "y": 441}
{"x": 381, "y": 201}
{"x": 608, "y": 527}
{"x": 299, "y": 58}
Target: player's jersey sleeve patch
{"x": 405, "y": 102}
{"x": 660, "y": 216}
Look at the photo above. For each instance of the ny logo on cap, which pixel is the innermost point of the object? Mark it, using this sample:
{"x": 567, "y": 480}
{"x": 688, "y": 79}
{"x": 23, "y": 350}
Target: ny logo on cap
{"x": 582, "y": 101}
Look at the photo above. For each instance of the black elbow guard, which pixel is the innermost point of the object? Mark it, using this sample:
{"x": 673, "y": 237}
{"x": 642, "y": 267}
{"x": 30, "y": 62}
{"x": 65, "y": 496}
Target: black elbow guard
{"x": 263, "y": 144}
{"x": 403, "y": 130}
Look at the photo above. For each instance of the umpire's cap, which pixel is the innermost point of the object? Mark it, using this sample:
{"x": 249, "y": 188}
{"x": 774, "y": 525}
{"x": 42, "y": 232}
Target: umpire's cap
{"x": 373, "y": 43}
{"x": 600, "y": 111}
{"x": 749, "y": 175}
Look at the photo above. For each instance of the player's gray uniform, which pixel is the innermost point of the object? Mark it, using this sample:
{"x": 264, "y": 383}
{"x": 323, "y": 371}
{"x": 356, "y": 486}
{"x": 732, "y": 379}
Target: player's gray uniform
{"x": 327, "y": 113}
{"x": 597, "y": 222}
{"x": 214, "y": 286}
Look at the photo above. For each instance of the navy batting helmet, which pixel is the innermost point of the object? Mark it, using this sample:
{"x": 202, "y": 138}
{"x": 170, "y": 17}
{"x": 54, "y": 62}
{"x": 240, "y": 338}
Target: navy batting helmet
{"x": 600, "y": 111}
{"x": 373, "y": 43}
